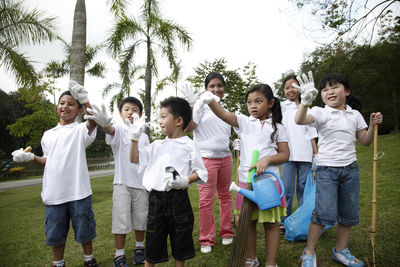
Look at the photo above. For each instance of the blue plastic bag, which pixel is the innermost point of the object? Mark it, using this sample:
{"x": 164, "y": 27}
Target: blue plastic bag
{"x": 296, "y": 225}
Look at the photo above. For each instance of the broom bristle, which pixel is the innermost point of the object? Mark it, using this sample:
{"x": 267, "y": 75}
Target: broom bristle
{"x": 239, "y": 246}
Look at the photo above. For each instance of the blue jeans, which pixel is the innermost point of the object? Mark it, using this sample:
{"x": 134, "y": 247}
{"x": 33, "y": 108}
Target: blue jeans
{"x": 337, "y": 196}
{"x": 289, "y": 171}
{"x": 57, "y": 219}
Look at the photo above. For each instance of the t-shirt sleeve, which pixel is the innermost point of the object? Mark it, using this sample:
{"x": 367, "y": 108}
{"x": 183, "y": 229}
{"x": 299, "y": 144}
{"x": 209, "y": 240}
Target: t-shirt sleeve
{"x": 241, "y": 119}
{"x": 144, "y": 153}
{"x": 281, "y": 133}
{"x": 197, "y": 164}
{"x": 319, "y": 116}
{"x": 311, "y": 132}
{"x": 361, "y": 124}
{"x": 43, "y": 145}
{"x": 87, "y": 138}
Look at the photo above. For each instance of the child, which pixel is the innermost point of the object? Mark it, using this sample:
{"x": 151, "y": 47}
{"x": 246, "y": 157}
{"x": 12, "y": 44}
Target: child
{"x": 337, "y": 179}
{"x": 170, "y": 212}
{"x": 211, "y": 134}
{"x": 130, "y": 199}
{"x": 300, "y": 146}
{"x": 66, "y": 190}
{"x": 261, "y": 131}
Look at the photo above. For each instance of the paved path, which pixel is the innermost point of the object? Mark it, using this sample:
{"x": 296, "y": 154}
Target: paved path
{"x": 31, "y": 182}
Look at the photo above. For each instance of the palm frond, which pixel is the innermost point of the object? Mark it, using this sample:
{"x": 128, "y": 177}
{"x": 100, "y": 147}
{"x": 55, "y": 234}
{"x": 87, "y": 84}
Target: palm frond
{"x": 118, "y": 7}
{"x": 97, "y": 70}
{"x": 109, "y": 87}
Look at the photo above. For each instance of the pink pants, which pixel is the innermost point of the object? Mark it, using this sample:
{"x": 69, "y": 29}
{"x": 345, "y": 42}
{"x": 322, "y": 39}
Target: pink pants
{"x": 219, "y": 179}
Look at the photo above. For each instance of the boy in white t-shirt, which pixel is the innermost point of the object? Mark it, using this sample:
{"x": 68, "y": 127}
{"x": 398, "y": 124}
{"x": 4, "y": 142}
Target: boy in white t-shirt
{"x": 170, "y": 212}
{"x": 130, "y": 199}
{"x": 66, "y": 190}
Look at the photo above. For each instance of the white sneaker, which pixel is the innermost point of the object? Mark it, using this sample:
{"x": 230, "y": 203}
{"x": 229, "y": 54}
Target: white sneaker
{"x": 205, "y": 248}
{"x": 227, "y": 241}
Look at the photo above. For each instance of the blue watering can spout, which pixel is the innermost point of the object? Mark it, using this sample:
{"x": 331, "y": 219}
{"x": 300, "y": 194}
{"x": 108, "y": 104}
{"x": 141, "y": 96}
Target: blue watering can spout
{"x": 265, "y": 193}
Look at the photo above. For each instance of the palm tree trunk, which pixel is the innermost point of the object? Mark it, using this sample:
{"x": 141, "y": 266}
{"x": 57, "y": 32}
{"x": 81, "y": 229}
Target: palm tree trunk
{"x": 78, "y": 43}
{"x": 147, "y": 81}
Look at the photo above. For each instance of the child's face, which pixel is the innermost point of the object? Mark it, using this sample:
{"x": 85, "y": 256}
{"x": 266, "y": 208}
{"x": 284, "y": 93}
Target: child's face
{"x": 291, "y": 93}
{"x": 335, "y": 95}
{"x": 127, "y": 111}
{"x": 258, "y": 105}
{"x": 168, "y": 124}
{"x": 68, "y": 109}
{"x": 216, "y": 87}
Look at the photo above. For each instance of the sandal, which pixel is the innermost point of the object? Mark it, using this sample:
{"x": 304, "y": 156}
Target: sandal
{"x": 252, "y": 262}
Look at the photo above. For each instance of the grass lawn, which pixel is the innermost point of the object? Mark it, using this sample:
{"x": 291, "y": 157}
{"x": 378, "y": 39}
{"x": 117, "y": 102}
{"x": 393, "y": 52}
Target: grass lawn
{"x": 22, "y": 239}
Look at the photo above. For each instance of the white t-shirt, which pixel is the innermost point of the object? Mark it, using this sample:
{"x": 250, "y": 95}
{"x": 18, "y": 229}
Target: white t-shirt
{"x": 66, "y": 175}
{"x": 126, "y": 173}
{"x": 211, "y": 134}
{"x": 337, "y": 135}
{"x": 180, "y": 153}
{"x": 299, "y": 137}
{"x": 287, "y": 105}
{"x": 256, "y": 135}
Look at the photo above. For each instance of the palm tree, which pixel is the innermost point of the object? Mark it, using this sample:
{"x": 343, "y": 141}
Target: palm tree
{"x": 20, "y": 26}
{"x": 78, "y": 43}
{"x": 158, "y": 34}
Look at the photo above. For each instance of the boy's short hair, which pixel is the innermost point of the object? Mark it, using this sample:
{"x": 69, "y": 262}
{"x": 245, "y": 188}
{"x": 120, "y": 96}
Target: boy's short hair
{"x": 132, "y": 100}
{"x": 69, "y": 93}
{"x": 178, "y": 107}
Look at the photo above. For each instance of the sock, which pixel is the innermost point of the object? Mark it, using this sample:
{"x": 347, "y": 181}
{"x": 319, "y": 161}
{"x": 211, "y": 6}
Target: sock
{"x": 88, "y": 257}
{"x": 119, "y": 252}
{"x": 59, "y": 263}
{"x": 140, "y": 244}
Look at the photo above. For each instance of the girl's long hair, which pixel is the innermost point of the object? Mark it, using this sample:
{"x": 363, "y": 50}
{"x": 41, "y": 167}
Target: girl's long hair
{"x": 275, "y": 111}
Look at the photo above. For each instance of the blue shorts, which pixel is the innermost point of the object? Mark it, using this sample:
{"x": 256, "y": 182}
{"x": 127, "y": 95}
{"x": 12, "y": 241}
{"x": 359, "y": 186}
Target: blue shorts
{"x": 337, "y": 196}
{"x": 57, "y": 219}
{"x": 170, "y": 213}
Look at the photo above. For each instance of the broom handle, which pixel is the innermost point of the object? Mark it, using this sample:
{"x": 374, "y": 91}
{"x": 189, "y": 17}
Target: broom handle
{"x": 374, "y": 167}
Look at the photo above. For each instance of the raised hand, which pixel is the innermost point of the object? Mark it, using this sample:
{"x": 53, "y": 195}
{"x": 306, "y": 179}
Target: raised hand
{"x": 206, "y": 98}
{"x": 307, "y": 89}
{"x": 99, "y": 115}
{"x": 188, "y": 94}
{"x": 78, "y": 92}
{"x": 21, "y": 156}
{"x": 136, "y": 127}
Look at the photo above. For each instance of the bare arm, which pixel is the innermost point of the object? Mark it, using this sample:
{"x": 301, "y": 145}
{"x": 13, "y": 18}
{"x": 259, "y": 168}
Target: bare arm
{"x": 191, "y": 126}
{"x": 364, "y": 136}
{"x": 90, "y": 124}
{"x": 314, "y": 146}
{"x": 40, "y": 160}
{"x": 193, "y": 177}
{"x": 226, "y": 116}
{"x": 281, "y": 157}
{"x": 302, "y": 117}
{"x": 109, "y": 130}
{"x": 134, "y": 152}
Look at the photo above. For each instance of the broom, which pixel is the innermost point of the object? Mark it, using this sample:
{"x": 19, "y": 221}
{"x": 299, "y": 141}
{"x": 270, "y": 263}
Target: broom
{"x": 374, "y": 165}
{"x": 237, "y": 152}
{"x": 239, "y": 246}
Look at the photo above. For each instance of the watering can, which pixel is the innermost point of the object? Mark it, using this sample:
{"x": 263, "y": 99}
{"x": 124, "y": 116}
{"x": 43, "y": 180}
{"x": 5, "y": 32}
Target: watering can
{"x": 265, "y": 193}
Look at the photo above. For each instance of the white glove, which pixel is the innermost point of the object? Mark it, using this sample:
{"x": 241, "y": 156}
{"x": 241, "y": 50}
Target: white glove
{"x": 206, "y": 98}
{"x": 234, "y": 187}
{"x": 307, "y": 89}
{"x": 78, "y": 92}
{"x": 21, "y": 156}
{"x": 136, "y": 128}
{"x": 188, "y": 94}
{"x": 99, "y": 115}
{"x": 236, "y": 144}
{"x": 179, "y": 182}
{"x": 168, "y": 176}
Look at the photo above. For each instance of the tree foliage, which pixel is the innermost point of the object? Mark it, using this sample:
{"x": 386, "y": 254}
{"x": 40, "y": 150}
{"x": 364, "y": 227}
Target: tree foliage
{"x": 18, "y": 27}
{"x": 355, "y": 17}
{"x": 158, "y": 35}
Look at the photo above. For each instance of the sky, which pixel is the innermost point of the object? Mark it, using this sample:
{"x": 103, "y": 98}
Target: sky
{"x": 268, "y": 33}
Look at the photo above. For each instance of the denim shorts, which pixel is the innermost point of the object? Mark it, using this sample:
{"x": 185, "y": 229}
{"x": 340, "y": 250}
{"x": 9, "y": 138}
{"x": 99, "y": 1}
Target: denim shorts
{"x": 170, "y": 213}
{"x": 337, "y": 195}
{"x": 57, "y": 219}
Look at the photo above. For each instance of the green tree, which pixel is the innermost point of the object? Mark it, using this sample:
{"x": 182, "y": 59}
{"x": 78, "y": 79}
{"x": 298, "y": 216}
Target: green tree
{"x": 157, "y": 34}
{"x": 18, "y": 27}
{"x": 237, "y": 82}
{"x": 357, "y": 17}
